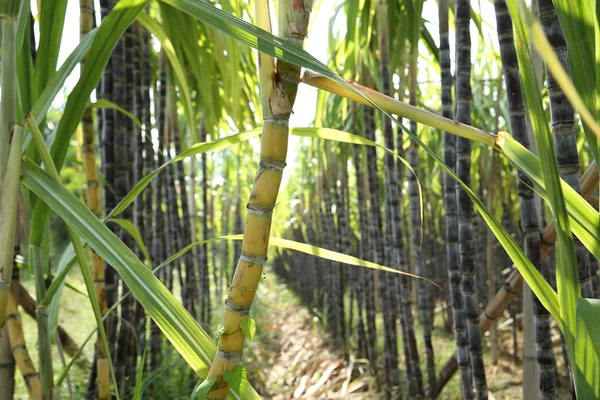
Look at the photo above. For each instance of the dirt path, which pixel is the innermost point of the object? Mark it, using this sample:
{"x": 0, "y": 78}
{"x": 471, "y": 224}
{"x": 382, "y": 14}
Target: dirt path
{"x": 290, "y": 358}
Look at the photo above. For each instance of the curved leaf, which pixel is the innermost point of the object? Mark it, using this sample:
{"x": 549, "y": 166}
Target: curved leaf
{"x": 199, "y": 148}
{"x": 190, "y": 340}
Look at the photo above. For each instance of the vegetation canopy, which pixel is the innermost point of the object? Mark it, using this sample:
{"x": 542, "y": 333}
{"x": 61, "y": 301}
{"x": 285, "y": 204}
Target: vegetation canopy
{"x": 299, "y": 199}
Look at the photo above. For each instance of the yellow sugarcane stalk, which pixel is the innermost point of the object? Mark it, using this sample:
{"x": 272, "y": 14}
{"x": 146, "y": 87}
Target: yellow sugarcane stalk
{"x": 19, "y": 350}
{"x": 92, "y": 193}
{"x": 278, "y": 92}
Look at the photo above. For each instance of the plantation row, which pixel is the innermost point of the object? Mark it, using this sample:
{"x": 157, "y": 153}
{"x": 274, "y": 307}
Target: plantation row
{"x": 415, "y": 195}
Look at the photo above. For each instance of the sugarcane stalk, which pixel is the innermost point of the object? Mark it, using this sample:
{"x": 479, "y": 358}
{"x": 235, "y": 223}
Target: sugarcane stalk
{"x": 20, "y": 353}
{"x": 278, "y": 92}
{"x": 8, "y": 79}
{"x": 530, "y": 224}
{"x": 10, "y": 153}
{"x": 463, "y": 202}
{"x": 7, "y": 366}
{"x": 451, "y": 234}
{"x": 495, "y": 307}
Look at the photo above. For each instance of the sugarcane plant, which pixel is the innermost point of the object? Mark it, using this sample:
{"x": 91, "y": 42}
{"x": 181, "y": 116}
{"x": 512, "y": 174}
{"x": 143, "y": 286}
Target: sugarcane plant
{"x": 278, "y": 91}
{"x": 35, "y": 173}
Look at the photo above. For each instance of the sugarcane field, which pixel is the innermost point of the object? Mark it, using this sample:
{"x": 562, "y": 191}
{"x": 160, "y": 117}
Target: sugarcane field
{"x": 299, "y": 199}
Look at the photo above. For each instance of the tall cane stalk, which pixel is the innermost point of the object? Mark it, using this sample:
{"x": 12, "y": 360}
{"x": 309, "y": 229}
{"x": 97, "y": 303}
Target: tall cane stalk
{"x": 278, "y": 92}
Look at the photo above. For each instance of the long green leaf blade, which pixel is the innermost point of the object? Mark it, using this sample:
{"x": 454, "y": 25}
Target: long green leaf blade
{"x": 190, "y": 340}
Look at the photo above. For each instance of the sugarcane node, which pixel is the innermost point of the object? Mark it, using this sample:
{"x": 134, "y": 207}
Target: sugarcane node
{"x": 20, "y": 346}
{"x": 237, "y": 308}
{"x": 244, "y": 288}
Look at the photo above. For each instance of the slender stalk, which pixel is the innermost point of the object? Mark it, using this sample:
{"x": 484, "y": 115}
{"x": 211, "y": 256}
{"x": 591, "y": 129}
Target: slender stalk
{"x": 9, "y": 190}
{"x": 417, "y": 227}
{"x": 189, "y": 261}
{"x": 204, "y": 303}
{"x": 366, "y": 329}
{"x": 513, "y": 283}
{"x": 564, "y": 128}
{"x": 463, "y": 202}
{"x": 489, "y": 260}
{"x": 393, "y": 204}
{"x": 7, "y": 366}
{"x": 10, "y": 153}
{"x": 20, "y": 353}
{"x": 530, "y": 224}
{"x": 454, "y": 277}
{"x": 8, "y": 112}
{"x": 278, "y": 92}
{"x": 158, "y": 190}
{"x": 378, "y": 254}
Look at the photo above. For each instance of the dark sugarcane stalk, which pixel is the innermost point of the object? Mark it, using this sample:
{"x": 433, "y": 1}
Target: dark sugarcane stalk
{"x": 512, "y": 284}
{"x": 454, "y": 277}
{"x": 159, "y": 246}
{"x": 378, "y": 255}
{"x": 108, "y": 171}
{"x": 136, "y": 312}
{"x": 403, "y": 284}
{"x": 328, "y": 241}
{"x": 416, "y": 228}
{"x": 174, "y": 240}
{"x": 122, "y": 96}
{"x": 464, "y": 205}
{"x": 339, "y": 245}
{"x": 189, "y": 300}
{"x": 212, "y": 232}
{"x": 564, "y": 129}
{"x": 369, "y": 276}
{"x": 144, "y": 81}
{"x": 530, "y": 224}
{"x": 362, "y": 276}
{"x": 392, "y": 199}
{"x": 204, "y": 277}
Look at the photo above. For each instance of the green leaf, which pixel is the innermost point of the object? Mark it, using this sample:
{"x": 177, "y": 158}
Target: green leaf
{"x": 202, "y": 388}
{"x": 308, "y": 249}
{"x": 582, "y": 216}
{"x": 566, "y": 266}
{"x": 135, "y": 234}
{"x": 236, "y": 378}
{"x": 248, "y": 326}
{"x": 52, "y": 19}
{"x": 587, "y": 360}
{"x": 191, "y": 151}
{"x": 111, "y": 29}
{"x": 103, "y": 103}
{"x": 56, "y": 83}
{"x": 577, "y": 19}
{"x": 65, "y": 263}
{"x": 194, "y": 345}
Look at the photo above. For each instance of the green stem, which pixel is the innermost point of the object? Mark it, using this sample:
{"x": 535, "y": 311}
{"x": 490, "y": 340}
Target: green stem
{"x": 9, "y": 190}
{"x": 8, "y": 105}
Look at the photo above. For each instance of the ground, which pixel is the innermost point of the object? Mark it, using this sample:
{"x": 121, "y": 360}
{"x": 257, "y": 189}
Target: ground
{"x": 289, "y": 358}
